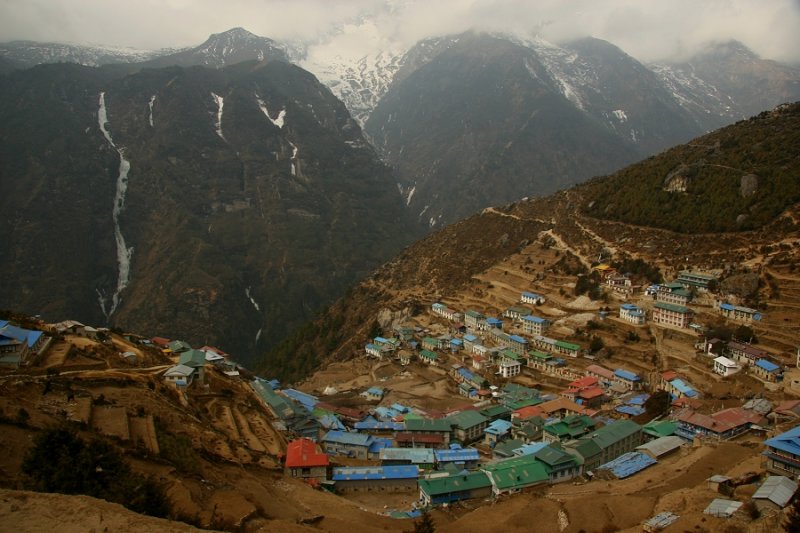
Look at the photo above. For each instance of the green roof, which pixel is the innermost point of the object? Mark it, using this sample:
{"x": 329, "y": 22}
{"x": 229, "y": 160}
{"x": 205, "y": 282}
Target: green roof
{"x": 518, "y": 472}
{"x": 447, "y": 485}
{"x": 572, "y": 426}
{"x": 672, "y": 307}
{"x": 609, "y": 435}
{"x": 474, "y": 314}
{"x": 587, "y": 448}
{"x": 536, "y": 354}
{"x": 699, "y": 275}
{"x": 524, "y": 402}
{"x": 193, "y": 358}
{"x": 466, "y": 419}
{"x": 430, "y": 340}
{"x": 427, "y": 354}
{"x": 660, "y": 428}
{"x": 553, "y": 456}
{"x": 507, "y": 447}
{"x": 441, "y": 425}
{"x": 508, "y": 354}
{"x": 568, "y": 346}
{"x": 495, "y": 411}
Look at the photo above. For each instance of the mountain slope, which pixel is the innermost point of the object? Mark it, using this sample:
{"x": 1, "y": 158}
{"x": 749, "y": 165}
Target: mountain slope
{"x": 547, "y": 240}
{"x": 483, "y": 122}
{"x": 251, "y": 200}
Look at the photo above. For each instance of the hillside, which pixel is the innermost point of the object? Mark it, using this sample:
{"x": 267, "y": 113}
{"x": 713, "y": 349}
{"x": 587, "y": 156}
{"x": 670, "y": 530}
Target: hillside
{"x": 218, "y": 205}
{"x": 466, "y": 263}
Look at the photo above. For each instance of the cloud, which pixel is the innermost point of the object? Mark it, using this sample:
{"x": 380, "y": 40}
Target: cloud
{"x": 648, "y": 30}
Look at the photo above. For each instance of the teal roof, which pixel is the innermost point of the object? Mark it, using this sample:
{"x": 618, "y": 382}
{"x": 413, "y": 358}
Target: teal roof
{"x": 193, "y": 358}
{"x": 448, "y": 485}
{"x": 441, "y": 425}
{"x": 675, "y": 308}
{"x": 466, "y": 419}
{"x": 609, "y": 435}
{"x": 518, "y": 472}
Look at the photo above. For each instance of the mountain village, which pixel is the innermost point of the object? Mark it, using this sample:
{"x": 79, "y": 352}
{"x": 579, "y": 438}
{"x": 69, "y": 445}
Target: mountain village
{"x": 464, "y": 406}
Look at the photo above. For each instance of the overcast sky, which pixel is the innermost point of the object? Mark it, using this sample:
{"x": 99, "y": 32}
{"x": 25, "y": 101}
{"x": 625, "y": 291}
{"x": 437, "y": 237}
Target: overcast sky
{"x": 646, "y": 29}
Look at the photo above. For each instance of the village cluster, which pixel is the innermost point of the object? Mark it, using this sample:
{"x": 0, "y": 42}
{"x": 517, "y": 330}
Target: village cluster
{"x": 508, "y": 437}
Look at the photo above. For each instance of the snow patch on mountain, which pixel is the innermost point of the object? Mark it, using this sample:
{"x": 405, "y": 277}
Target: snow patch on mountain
{"x": 620, "y": 114}
{"x": 294, "y": 161}
{"x": 124, "y": 253}
{"x": 410, "y": 195}
{"x": 152, "y": 101}
{"x": 220, "y": 101}
{"x": 252, "y": 300}
{"x": 279, "y": 121}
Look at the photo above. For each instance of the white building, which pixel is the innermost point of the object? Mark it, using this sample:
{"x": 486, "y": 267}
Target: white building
{"x": 725, "y": 367}
{"x": 631, "y": 313}
{"x": 510, "y": 368}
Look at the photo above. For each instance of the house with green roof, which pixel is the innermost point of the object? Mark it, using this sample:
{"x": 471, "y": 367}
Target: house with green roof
{"x": 195, "y": 359}
{"x": 430, "y": 343}
{"x": 517, "y": 474}
{"x": 561, "y": 466}
{"x": 607, "y": 443}
{"x": 429, "y": 358}
{"x": 656, "y": 429}
{"x": 441, "y": 490}
{"x": 418, "y": 429}
{"x": 671, "y": 314}
{"x": 179, "y": 346}
{"x": 673, "y": 293}
{"x": 467, "y": 425}
{"x": 570, "y": 427}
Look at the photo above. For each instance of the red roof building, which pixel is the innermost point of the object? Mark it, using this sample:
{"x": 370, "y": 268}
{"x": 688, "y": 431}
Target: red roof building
{"x": 305, "y": 460}
{"x": 161, "y": 342}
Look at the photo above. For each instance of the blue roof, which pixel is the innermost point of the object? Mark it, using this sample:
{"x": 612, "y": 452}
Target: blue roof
{"x": 624, "y": 374}
{"x": 456, "y": 342}
{"x": 466, "y": 374}
{"x": 381, "y": 340}
{"x": 379, "y": 444}
{"x": 470, "y": 338}
{"x": 346, "y": 437}
{"x": 535, "y": 319}
{"x": 517, "y": 338}
{"x": 530, "y": 448}
{"x": 530, "y": 294}
{"x": 639, "y": 399}
{"x": 628, "y": 464}
{"x": 387, "y": 412}
{"x": 400, "y": 408}
{"x": 371, "y": 346}
{"x": 787, "y": 442}
{"x": 631, "y": 410}
{"x": 498, "y": 427}
{"x": 378, "y": 425}
{"x": 493, "y": 321}
{"x": 375, "y": 391}
{"x": 306, "y": 400}
{"x": 331, "y": 421}
{"x": 274, "y": 384}
{"x": 727, "y": 307}
{"x": 629, "y": 307}
{"x": 370, "y": 473}
{"x": 683, "y": 388}
{"x": 769, "y": 366}
{"x": 458, "y": 455}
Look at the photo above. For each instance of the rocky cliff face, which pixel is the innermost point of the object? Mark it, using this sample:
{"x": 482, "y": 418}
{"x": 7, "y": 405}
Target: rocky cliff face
{"x": 222, "y": 206}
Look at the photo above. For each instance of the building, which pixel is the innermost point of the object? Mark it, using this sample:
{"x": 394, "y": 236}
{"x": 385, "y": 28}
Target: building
{"x": 456, "y": 455}
{"x": 534, "y": 325}
{"x": 775, "y": 493}
{"x": 306, "y": 461}
{"x": 767, "y": 370}
{"x": 429, "y": 358}
{"x": 496, "y": 431}
{"x": 474, "y": 320}
{"x": 422, "y": 458}
{"x": 399, "y": 478}
{"x": 532, "y": 298}
{"x": 195, "y": 359}
{"x": 441, "y": 490}
{"x": 445, "y": 312}
{"x": 721, "y": 425}
{"x": 517, "y": 474}
{"x": 606, "y": 443}
{"x": 695, "y": 279}
{"x": 518, "y": 344}
{"x": 19, "y": 345}
{"x": 180, "y": 375}
{"x": 627, "y": 380}
{"x": 631, "y": 313}
{"x": 516, "y": 312}
{"x": 737, "y": 313}
{"x": 662, "y": 446}
{"x": 570, "y": 427}
{"x": 346, "y": 443}
{"x": 725, "y": 367}
{"x": 509, "y": 369}
{"x": 467, "y": 425}
{"x": 744, "y": 353}
{"x": 417, "y": 429}
{"x": 605, "y": 377}
{"x": 673, "y": 293}
{"x": 671, "y": 314}
{"x": 783, "y": 453}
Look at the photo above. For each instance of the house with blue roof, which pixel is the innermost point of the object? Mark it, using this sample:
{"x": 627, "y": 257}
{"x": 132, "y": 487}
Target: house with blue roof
{"x": 738, "y": 313}
{"x": 375, "y": 478}
{"x": 680, "y": 389}
{"x": 378, "y": 427}
{"x": 534, "y": 325}
{"x": 627, "y": 379}
{"x": 18, "y": 345}
{"x": 373, "y": 394}
{"x": 496, "y": 431}
{"x": 306, "y": 400}
{"x": 347, "y": 443}
{"x": 783, "y": 453}
{"x": 531, "y": 298}
{"x": 422, "y": 458}
{"x": 767, "y": 370}
{"x": 466, "y": 458}
{"x": 631, "y": 313}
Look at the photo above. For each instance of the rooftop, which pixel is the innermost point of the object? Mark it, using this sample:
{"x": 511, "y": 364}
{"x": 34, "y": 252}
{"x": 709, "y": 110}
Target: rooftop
{"x": 370, "y": 473}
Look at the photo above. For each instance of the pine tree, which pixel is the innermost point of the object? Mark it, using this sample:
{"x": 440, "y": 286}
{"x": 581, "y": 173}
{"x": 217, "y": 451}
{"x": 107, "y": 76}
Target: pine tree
{"x": 792, "y": 522}
{"x": 424, "y": 525}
